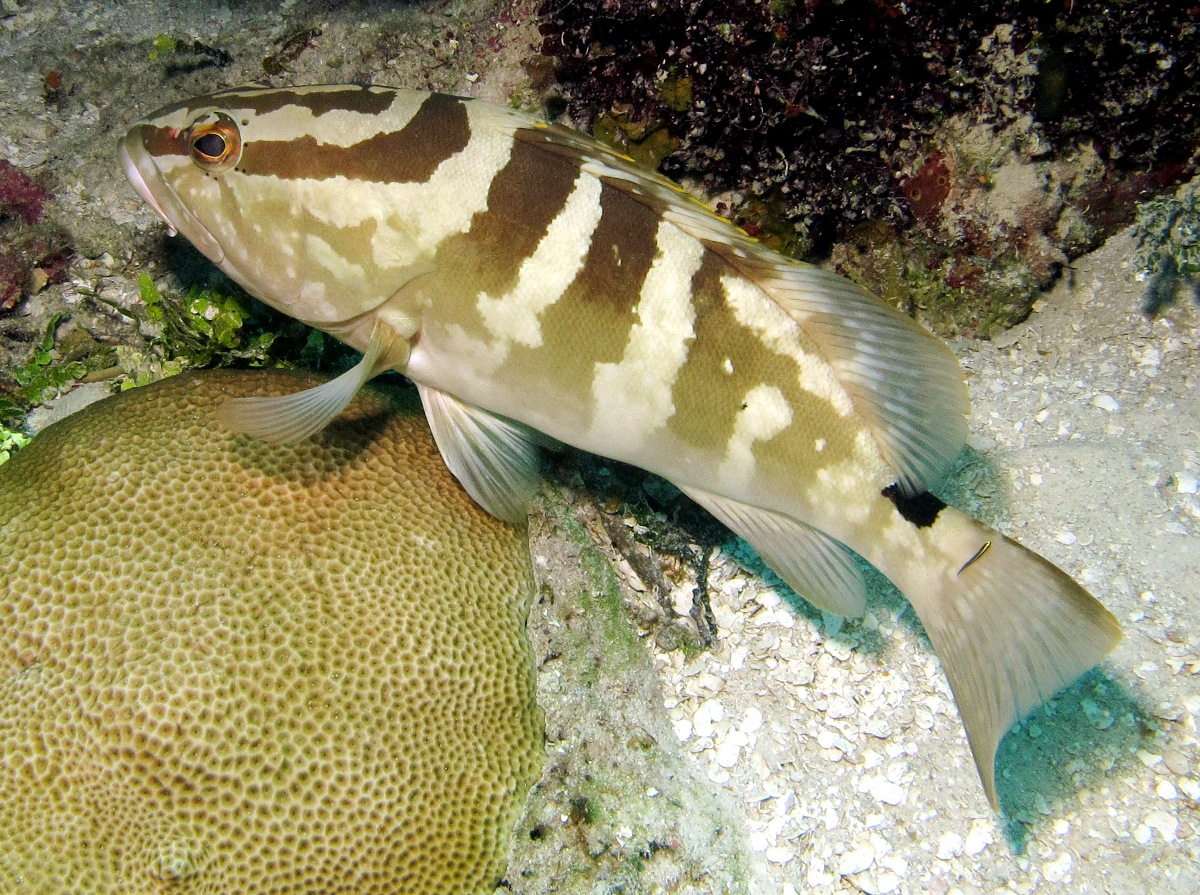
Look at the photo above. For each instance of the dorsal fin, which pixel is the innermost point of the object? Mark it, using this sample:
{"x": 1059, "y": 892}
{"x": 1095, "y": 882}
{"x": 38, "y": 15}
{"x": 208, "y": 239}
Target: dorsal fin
{"x": 905, "y": 381}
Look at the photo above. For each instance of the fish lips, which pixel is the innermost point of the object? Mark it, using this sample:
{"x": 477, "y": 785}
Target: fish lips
{"x": 145, "y": 177}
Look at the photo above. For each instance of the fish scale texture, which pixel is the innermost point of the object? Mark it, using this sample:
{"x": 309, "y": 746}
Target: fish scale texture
{"x": 228, "y": 666}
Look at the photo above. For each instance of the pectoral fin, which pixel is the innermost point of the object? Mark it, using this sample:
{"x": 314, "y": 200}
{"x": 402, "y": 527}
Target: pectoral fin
{"x": 494, "y": 458}
{"x": 814, "y": 565}
{"x": 294, "y": 417}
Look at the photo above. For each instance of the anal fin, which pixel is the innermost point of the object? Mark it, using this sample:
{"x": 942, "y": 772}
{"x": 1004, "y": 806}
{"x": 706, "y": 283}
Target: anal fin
{"x": 823, "y": 571}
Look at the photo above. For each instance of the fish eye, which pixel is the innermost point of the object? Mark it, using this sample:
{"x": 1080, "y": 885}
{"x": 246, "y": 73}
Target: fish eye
{"x": 215, "y": 143}
{"x": 211, "y": 146}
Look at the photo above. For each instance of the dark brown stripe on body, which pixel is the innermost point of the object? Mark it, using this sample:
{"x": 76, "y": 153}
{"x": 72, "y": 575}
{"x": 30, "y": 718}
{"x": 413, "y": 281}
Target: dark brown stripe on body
{"x": 622, "y": 251}
{"x": 708, "y": 398}
{"x": 591, "y": 323}
{"x": 525, "y": 196}
{"x": 437, "y": 132}
{"x": 162, "y": 141}
{"x": 360, "y": 98}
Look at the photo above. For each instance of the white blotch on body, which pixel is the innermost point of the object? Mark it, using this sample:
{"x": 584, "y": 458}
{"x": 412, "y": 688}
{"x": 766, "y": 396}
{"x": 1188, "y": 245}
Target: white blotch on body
{"x": 632, "y": 398}
{"x": 754, "y": 309}
{"x": 839, "y": 482}
{"x": 411, "y": 219}
{"x": 343, "y": 271}
{"x": 311, "y": 291}
{"x": 765, "y": 413}
{"x": 545, "y": 275}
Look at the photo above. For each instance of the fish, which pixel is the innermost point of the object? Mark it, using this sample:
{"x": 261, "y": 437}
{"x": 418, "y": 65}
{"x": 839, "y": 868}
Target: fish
{"x": 540, "y": 288}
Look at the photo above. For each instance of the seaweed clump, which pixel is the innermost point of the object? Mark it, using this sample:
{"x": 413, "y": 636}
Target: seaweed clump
{"x": 1126, "y": 75}
{"x": 807, "y": 101}
{"x": 814, "y": 108}
{"x": 217, "y": 324}
{"x": 10, "y": 442}
{"x": 208, "y": 324}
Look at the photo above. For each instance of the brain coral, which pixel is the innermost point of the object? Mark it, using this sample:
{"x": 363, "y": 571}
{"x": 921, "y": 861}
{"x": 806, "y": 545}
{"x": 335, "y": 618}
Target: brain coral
{"x": 234, "y": 667}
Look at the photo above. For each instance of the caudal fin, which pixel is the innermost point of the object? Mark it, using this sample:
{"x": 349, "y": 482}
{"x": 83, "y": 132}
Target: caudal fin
{"x": 1011, "y": 629}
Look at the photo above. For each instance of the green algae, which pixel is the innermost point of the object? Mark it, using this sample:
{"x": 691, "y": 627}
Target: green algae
{"x": 1167, "y": 232}
{"x": 10, "y": 442}
{"x": 46, "y": 375}
{"x": 618, "y": 808}
{"x": 215, "y": 324}
{"x": 205, "y": 325}
{"x": 163, "y": 45}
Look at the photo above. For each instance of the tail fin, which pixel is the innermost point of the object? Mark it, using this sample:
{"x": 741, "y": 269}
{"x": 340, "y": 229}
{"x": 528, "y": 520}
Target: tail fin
{"x": 1011, "y": 629}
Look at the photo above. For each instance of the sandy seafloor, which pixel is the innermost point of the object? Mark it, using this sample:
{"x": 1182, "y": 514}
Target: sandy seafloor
{"x": 799, "y": 754}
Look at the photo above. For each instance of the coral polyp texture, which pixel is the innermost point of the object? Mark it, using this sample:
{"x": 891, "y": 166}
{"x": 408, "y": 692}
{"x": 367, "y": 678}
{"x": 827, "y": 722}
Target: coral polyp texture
{"x": 234, "y": 667}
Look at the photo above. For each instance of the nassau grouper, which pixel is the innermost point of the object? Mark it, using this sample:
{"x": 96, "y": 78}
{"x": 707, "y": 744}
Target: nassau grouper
{"x": 538, "y": 286}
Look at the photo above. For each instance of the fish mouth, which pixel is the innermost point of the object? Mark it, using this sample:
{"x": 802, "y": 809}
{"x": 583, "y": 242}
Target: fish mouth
{"x": 141, "y": 172}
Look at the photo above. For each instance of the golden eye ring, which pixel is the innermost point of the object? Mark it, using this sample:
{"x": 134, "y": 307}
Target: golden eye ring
{"x": 214, "y": 142}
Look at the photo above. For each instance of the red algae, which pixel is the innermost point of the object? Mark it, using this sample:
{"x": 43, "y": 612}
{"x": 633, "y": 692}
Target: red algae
{"x": 20, "y": 194}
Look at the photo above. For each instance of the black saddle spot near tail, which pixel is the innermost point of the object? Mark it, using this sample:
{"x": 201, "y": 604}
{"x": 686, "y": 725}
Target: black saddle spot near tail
{"x": 919, "y": 509}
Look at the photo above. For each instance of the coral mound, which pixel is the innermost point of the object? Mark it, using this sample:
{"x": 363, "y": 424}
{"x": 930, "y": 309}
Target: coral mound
{"x": 235, "y": 667}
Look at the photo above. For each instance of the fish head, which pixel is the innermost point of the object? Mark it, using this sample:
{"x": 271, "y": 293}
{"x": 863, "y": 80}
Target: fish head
{"x": 267, "y": 184}
{"x": 165, "y": 160}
